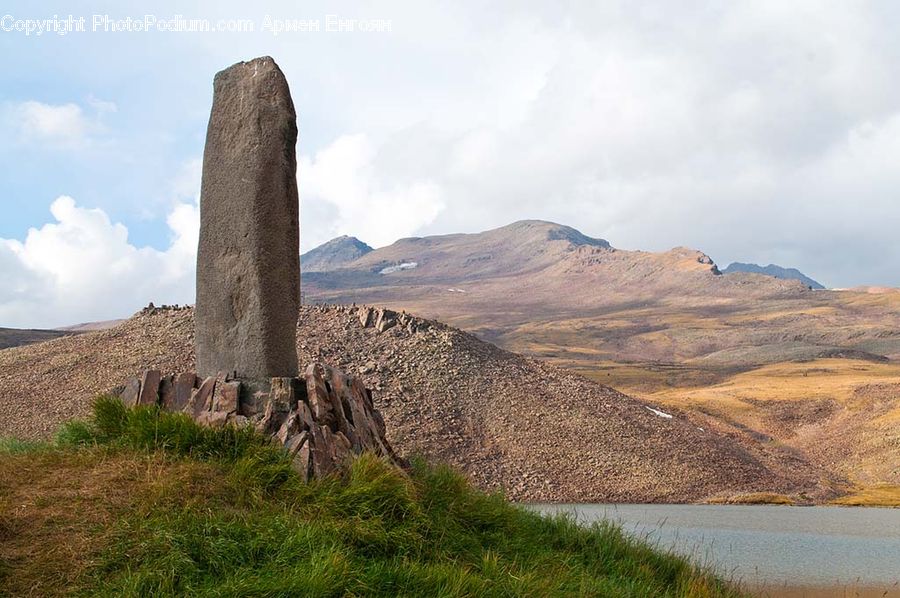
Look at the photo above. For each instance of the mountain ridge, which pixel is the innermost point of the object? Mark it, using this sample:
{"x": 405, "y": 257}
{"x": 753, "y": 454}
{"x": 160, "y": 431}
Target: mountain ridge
{"x": 545, "y": 289}
{"x": 776, "y": 271}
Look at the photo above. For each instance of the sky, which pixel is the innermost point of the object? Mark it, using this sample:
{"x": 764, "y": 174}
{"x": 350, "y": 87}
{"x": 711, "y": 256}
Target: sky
{"x": 757, "y": 131}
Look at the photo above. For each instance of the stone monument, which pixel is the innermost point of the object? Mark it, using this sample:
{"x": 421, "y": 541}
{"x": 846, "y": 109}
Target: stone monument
{"x": 248, "y": 294}
{"x": 248, "y": 271}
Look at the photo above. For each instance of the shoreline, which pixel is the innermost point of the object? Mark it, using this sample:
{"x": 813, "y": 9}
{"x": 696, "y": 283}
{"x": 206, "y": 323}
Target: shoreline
{"x": 823, "y": 591}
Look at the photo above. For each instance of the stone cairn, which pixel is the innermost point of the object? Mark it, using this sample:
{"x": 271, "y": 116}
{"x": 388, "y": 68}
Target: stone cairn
{"x": 321, "y": 418}
{"x": 248, "y": 293}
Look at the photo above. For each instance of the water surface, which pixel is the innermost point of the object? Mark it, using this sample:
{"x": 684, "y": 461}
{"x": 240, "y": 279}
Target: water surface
{"x": 771, "y": 546}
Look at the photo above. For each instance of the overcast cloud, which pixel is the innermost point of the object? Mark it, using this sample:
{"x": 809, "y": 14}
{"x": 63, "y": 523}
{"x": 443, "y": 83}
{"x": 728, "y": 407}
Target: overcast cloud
{"x": 755, "y": 131}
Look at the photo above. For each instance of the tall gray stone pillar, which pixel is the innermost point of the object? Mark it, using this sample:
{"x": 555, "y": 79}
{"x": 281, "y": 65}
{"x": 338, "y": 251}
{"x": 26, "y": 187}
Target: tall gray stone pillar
{"x": 248, "y": 268}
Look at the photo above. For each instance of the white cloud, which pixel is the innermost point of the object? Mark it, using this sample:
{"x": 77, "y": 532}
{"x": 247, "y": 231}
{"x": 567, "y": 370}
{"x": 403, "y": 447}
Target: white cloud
{"x": 101, "y": 106}
{"x": 754, "y": 130}
{"x": 82, "y": 267}
{"x": 64, "y": 124}
{"x": 345, "y": 178}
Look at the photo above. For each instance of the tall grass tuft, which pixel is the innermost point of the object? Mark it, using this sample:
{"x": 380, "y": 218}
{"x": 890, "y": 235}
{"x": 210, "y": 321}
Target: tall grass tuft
{"x": 150, "y": 428}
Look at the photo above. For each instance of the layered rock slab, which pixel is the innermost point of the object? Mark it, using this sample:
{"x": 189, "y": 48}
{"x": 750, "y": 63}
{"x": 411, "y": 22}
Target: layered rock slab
{"x": 321, "y": 418}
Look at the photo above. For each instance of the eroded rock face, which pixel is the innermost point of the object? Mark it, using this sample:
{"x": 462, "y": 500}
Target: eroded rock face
{"x": 248, "y": 276}
{"x": 321, "y": 419}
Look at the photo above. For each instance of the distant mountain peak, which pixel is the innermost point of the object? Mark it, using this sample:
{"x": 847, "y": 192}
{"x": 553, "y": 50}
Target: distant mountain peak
{"x": 333, "y": 254}
{"x": 775, "y": 271}
{"x": 551, "y": 231}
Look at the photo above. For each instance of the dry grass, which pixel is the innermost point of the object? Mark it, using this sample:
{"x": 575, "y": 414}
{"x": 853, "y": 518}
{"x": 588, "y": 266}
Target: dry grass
{"x": 841, "y": 414}
{"x": 754, "y": 498}
{"x": 57, "y": 507}
{"x": 877, "y": 496}
{"x": 836, "y": 379}
{"x": 643, "y": 379}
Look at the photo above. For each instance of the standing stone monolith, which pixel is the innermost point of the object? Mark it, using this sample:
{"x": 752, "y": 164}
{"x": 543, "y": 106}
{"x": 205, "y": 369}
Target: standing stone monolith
{"x": 248, "y": 271}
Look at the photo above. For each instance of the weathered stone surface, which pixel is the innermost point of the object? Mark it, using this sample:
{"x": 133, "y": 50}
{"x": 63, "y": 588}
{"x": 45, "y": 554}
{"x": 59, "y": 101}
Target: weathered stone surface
{"x": 301, "y": 461}
{"x": 201, "y": 398}
{"x": 131, "y": 392}
{"x": 365, "y": 317}
{"x": 386, "y": 319}
{"x": 330, "y": 451}
{"x": 226, "y": 396}
{"x": 336, "y": 382}
{"x": 149, "y": 388}
{"x": 317, "y": 394}
{"x": 283, "y": 392}
{"x": 167, "y": 392}
{"x": 184, "y": 386}
{"x": 254, "y": 397}
{"x": 295, "y": 442}
{"x": 248, "y": 275}
{"x": 290, "y": 427}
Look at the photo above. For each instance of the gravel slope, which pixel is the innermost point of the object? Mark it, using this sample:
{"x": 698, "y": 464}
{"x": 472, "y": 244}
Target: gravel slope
{"x": 538, "y": 432}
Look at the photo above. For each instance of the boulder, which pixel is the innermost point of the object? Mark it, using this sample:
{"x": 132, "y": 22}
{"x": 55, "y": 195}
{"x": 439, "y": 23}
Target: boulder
{"x": 321, "y": 419}
{"x": 386, "y": 319}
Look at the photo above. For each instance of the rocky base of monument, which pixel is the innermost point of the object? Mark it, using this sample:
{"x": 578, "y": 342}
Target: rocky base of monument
{"x": 321, "y": 418}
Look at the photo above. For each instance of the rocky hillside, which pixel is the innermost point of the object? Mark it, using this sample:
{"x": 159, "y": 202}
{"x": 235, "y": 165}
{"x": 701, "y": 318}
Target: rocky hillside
{"x": 510, "y": 422}
{"x": 14, "y": 337}
{"x": 547, "y": 290}
{"x": 774, "y": 271}
{"x": 333, "y": 254}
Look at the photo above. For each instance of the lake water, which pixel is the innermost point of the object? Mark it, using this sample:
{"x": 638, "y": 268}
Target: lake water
{"x": 789, "y": 551}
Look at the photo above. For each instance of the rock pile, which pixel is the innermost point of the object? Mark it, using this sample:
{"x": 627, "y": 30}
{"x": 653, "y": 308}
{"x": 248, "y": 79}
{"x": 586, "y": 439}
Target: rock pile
{"x": 320, "y": 418}
{"x": 383, "y": 320}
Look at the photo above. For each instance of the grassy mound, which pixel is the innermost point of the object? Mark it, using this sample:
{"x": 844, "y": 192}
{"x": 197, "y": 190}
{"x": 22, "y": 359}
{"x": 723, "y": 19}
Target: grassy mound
{"x": 137, "y": 502}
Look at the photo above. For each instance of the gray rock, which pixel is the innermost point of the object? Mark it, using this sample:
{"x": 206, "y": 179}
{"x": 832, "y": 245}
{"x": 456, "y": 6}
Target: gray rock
{"x": 213, "y": 419}
{"x": 201, "y": 398}
{"x": 184, "y": 386}
{"x": 167, "y": 393}
{"x": 248, "y": 275}
{"x": 300, "y": 462}
{"x": 283, "y": 393}
{"x": 131, "y": 392}
{"x": 226, "y": 396}
{"x": 150, "y": 388}
{"x": 386, "y": 320}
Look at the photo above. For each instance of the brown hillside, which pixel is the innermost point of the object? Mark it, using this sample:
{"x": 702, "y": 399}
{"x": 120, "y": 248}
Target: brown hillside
{"x": 547, "y": 290}
{"x": 541, "y": 433}
{"x": 14, "y": 337}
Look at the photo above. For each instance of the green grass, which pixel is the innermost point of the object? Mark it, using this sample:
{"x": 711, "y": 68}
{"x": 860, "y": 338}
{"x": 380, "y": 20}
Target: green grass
{"x": 136, "y": 502}
{"x": 14, "y": 446}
